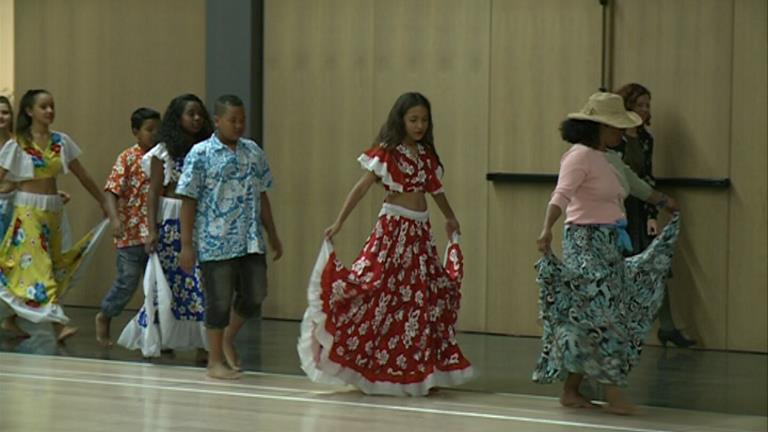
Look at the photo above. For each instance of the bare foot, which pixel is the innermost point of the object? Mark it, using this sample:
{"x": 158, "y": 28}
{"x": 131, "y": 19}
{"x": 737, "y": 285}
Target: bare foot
{"x": 230, "y": 355}
{"x": 617, "y": 402}
{"x": 221, "y": 371}
{"x": 10, "y": 325}
{"x": 102, "y": 330}
{"x": 572, "y": 399}
{"x": 65, "y": 333}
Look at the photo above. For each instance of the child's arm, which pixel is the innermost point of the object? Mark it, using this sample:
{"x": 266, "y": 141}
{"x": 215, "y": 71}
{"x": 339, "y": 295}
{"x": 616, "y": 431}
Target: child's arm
{"x": 451, "y": 223}
{"x": 269, "y": 226}
{"x": 156, "y": 176}
{"x": 110, "y": 201}
{"x": 87, "y": 181}
{"x": 187, "y": 256}
{"x": 355, "y": 195}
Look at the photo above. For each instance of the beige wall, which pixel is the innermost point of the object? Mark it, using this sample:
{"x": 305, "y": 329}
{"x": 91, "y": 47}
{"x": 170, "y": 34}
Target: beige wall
{"x": 499, "y": 85}
{"x": 6, "y": 47}
{"x": 747, "y": 300}
{"x": 101, "y": 60}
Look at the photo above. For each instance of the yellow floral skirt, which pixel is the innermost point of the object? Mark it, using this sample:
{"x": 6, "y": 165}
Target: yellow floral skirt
{"x": 34, "y": 270}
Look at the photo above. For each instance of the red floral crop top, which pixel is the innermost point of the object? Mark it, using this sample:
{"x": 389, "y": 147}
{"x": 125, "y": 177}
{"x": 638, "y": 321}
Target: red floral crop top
{"x": 402, "y": 171}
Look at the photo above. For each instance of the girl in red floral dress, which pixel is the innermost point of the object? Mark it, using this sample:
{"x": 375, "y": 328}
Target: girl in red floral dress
{"x": 386, "y": 325}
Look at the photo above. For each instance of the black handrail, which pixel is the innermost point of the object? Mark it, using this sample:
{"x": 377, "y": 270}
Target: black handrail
{"x": 698, "y": 182}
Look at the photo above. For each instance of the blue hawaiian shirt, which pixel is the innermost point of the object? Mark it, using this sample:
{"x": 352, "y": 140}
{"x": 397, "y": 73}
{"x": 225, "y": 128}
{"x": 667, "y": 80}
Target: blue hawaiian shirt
{"x": 227, "y": 185}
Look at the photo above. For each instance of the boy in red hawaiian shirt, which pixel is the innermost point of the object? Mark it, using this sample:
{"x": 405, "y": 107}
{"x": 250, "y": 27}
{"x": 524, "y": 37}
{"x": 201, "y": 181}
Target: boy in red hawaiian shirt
{"x": 127, "y": 190}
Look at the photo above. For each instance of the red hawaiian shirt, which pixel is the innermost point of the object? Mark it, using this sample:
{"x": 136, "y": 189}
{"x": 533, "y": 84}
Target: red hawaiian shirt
{"x": 128, "y": 182}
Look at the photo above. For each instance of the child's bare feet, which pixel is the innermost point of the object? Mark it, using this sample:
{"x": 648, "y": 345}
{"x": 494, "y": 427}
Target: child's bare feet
{"x": 66, "y": 332}
{"x": 571, "y": 399}
{"x": 617, "y": 402}
{"x": 230, "y": 355}
{"x": 10, "y": 325}
{"x": 221, "y": 371}
{"x": 102, "y": 330}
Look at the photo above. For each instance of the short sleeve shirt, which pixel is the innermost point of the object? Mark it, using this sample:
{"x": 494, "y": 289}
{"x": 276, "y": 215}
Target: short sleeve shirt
{"x": 227, "y": 185}
{"x": 131, "y": 186}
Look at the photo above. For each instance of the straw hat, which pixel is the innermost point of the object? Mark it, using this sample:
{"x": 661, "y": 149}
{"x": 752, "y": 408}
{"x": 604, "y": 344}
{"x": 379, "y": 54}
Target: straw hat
{"x": 608, "y": 109}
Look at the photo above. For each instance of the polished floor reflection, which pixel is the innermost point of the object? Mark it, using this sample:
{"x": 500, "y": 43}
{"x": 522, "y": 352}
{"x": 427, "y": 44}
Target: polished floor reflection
{"x": 716, "y": 381}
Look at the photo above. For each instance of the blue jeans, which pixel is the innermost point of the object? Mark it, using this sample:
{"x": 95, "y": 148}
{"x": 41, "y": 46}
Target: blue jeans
{"x": 131, "y": 262}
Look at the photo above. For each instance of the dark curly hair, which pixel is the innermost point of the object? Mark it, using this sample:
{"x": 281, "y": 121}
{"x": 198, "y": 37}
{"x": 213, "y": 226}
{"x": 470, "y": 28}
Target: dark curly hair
{"x": 393, "y": 132}
{"x": 576, "y": 131}
{"x": 176, "y": 140}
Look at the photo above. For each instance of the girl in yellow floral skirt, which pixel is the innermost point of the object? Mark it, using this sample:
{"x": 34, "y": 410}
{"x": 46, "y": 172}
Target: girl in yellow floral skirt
{"x": 34, "y": 270}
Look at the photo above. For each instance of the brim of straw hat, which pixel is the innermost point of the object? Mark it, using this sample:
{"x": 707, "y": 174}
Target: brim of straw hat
{"x": 624, "y": 120}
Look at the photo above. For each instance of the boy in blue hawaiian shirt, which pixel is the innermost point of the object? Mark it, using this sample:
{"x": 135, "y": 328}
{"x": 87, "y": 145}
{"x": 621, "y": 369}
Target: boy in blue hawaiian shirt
{"x": 224, "y": 184}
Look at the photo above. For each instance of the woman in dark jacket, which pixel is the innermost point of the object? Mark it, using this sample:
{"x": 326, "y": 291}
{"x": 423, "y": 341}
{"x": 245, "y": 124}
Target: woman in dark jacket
{"x": 636, "y": 149}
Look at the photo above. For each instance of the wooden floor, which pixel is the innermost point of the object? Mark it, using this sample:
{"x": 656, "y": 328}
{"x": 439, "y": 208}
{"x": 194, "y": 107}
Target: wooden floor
{"x": 51, "y": 393}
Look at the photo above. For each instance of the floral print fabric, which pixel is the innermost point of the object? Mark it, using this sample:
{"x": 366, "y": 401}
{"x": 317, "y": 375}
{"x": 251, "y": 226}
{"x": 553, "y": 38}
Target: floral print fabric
{"x": 387, "y": 324}
{"x": 128, "y": 182}
{"x": 597, "y": 306}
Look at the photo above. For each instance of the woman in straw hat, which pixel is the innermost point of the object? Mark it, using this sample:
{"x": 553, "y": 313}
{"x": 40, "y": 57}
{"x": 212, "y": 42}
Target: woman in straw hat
{"x": 597, "y": 306}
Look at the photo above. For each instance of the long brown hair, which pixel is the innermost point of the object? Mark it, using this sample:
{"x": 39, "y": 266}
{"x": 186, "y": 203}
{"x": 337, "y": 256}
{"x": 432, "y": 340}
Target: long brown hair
{"x": 633, "y": 152}
{"x": 631, "y": 93}
{"x": 393, "y": 133}
{"x": 23, "y": 119}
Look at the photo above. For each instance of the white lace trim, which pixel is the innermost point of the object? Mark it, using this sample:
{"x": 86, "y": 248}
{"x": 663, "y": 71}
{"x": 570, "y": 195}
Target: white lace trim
{"x": 314, "y": 343}
{"x": 375, "y": 165}
{"x": 159, "y": 151}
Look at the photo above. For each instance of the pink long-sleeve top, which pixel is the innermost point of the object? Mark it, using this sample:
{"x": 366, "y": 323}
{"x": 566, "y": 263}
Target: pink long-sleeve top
{"x": 593, "y": 184}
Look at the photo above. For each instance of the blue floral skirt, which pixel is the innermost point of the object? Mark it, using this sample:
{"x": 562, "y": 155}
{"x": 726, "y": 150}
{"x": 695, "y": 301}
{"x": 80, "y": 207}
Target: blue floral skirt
{"x": 6, "y": 211}
{"x": 173, "y": 313}
{"x": 597, "y": 306}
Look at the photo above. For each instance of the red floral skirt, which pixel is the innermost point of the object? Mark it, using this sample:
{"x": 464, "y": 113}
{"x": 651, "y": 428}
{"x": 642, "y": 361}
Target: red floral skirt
{"x": 387, "y": 324}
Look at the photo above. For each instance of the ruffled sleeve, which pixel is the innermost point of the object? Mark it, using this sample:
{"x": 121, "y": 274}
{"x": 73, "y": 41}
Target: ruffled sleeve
{"x": 69, "y": 149}
{"x": 381, "y": 162}
{"x": 16, "y": 161}
{"x": 161, "y": 152}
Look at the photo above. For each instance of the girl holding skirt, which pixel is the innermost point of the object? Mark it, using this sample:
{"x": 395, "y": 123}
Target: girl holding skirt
{"x": 595, "y": 305}
{"x": 172, "y": 316}
{"x": 35, "y": 269}
{"x": 387, "y": 324}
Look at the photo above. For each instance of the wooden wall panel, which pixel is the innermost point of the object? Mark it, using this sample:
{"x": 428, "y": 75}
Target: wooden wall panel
{"x": 441, "y": 49}
{"x": 698, "y": 289}
{"x": 682, "y": 51}
{"x": 748, "y": 223}
{"x": 545, "y": 62}
{"x": 537, "y": 77}
{"x": 318, "y": 95}
{"x": 101, "y": 60}
{"x": 516, "y": 213}
{"x": 6, "y": 46}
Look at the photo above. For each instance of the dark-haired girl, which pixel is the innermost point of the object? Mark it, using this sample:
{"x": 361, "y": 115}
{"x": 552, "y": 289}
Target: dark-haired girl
{"x": 34, "y": 270}
{"x": 172, "y": 316}
{"x": 386, "y": 325}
